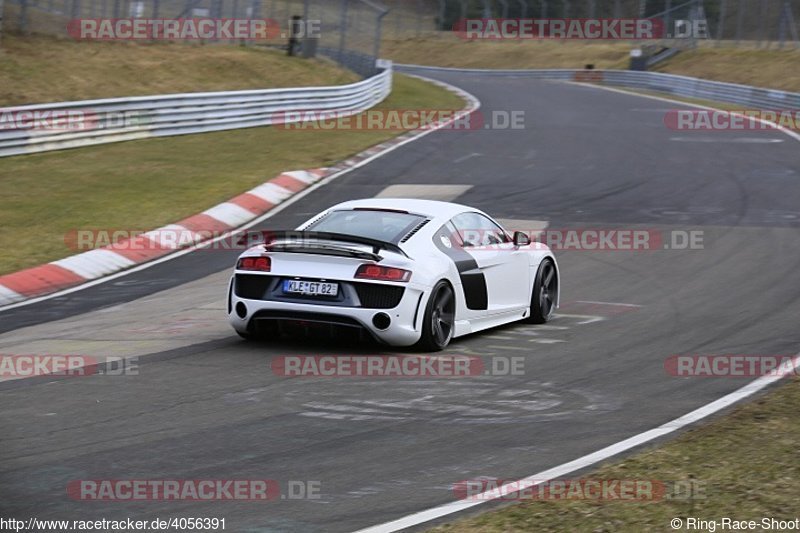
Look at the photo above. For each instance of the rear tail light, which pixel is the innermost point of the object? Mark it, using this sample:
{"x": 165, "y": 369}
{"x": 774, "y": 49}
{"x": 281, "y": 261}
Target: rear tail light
{"x": 381, "y": 273}
{"x": 258, "y": 264}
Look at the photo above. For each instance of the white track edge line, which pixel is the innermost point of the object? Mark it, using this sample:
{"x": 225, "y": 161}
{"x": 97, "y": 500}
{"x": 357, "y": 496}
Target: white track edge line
{"x": 472, "y": 104}
{"x": 614, "y": 449}
{"x": 698, "y": 414}
{"x": 774, "y": 125}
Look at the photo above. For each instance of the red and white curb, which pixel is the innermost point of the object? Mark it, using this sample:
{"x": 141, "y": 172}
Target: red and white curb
{"x": 94, "y": 264}
{"x": 44, "y": 281}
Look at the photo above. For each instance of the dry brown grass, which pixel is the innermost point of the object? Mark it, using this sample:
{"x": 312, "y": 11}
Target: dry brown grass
{"x": 447, "y": 50}
{"x": 778, "y": 69}
{"x": 47, "y": 69}
{"x": 744, "y": 464}
{"x": 147, "y": 183}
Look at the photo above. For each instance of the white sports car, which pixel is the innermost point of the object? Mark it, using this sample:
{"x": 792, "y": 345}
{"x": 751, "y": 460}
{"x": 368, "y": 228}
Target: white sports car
{"x": 408, "y": 272}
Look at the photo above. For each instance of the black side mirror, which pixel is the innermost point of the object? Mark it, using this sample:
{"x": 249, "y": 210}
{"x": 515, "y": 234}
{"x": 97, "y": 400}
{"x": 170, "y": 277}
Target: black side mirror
{"x": 521, "y": 239}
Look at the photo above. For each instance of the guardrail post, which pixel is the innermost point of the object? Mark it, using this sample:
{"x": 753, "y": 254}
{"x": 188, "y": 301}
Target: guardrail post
{"x": 342, "y": 30}
{"x": 792, "y": 25}
{"x": 378, "y": 34}
{"x": 504, "y": 11}
{"x": 23, "y": 16}
{"x": 739, "y": 21}
{"x": 419, "y": 17}
{"x": 295, "y": 29}
{"x": 696, "y": 13}
{"x": 399, "y": 22}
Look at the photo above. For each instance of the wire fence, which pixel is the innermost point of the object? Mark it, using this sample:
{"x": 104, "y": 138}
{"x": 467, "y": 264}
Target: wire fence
{"x": 744, "y": 23}
{"x": 348, "y": 31}
{"x": 351, "y": 31}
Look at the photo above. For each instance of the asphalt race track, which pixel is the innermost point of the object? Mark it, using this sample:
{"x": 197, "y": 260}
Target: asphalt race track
{"x": 206, "y": 405}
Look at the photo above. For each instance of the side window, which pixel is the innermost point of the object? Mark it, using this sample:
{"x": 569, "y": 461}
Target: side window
{"x": 474, "y": 229}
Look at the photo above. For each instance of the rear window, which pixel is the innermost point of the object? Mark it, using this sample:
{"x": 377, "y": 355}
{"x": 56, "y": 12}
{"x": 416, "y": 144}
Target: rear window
{"x": 386, "y": 226}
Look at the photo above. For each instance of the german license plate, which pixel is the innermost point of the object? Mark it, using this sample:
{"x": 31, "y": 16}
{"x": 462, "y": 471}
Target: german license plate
{"x": 311, "y": 288}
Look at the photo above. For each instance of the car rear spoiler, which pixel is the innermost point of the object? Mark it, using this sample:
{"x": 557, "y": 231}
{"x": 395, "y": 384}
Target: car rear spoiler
{"x": 268, "y": 239}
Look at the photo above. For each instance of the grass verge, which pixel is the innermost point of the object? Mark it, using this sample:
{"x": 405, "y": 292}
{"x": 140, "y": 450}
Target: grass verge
{"x": 141, "y": 185}
{"x": 447, "y": 50}
{"x": 744, "y": 465}
{"x": 47, "y": 69}
{"x": 777, "y": 69}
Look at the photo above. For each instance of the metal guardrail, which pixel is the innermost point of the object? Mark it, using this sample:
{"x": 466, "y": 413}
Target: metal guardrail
{"x": 92, "y": 122}
{"x": 684, "y": 86}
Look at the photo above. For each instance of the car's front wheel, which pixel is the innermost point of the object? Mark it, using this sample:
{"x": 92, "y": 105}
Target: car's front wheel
{"x": 440, "y": 318}
{"x": 545, "y": 293}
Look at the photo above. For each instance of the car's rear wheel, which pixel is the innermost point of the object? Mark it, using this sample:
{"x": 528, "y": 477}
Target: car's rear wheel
{"x": 545, "y": 293}
{"x": 440, "y": 318}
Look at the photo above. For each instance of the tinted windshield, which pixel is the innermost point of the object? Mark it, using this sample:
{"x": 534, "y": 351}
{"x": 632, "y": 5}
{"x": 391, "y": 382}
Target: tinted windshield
{"x": 387, "y": 226}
